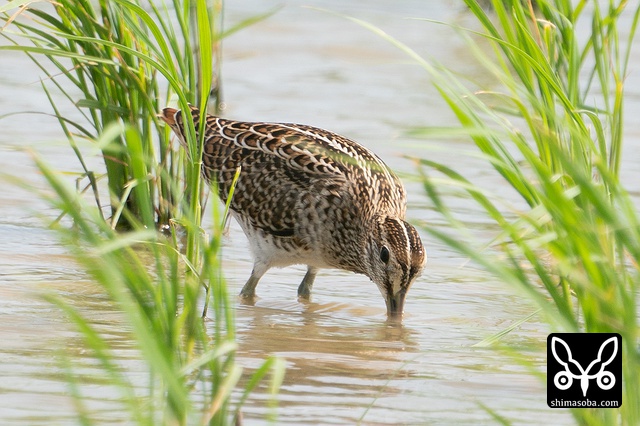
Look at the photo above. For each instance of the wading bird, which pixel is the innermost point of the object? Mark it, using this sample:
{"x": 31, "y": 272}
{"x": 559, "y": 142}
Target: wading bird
{"x": 308, "y": 196}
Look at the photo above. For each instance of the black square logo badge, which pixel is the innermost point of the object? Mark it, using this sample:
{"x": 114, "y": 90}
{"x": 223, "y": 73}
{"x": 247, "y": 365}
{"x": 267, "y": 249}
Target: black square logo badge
{"x": 584, "y": 370}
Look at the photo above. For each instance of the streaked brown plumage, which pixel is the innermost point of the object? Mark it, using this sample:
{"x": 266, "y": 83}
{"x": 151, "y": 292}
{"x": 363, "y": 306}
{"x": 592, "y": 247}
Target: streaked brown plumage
{"x": 309, "y": 196}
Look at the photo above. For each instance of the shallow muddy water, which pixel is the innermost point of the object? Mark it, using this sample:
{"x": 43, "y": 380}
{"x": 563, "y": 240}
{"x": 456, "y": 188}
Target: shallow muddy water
{"x": 345, "y": 363}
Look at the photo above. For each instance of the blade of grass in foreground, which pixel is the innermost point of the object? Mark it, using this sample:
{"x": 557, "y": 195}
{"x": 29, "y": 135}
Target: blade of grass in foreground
{"x": 592, "y": 228}
{"x": 192, "y": 375}
{"x": 117, "y": 55}
{"x": 574, "y": 252}
{"x": 114, "y": 54}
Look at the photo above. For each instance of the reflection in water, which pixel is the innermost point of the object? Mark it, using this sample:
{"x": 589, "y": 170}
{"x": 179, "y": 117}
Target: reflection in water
{"x": 312, "y": 328}
{"x": 332, "y": 363}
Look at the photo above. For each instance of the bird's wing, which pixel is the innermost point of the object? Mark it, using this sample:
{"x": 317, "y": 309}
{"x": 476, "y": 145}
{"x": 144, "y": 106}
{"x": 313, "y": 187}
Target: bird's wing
{"x": 277, "y": 175}
{"x": 306, "y": 153}
{"x": 281, "y": 164}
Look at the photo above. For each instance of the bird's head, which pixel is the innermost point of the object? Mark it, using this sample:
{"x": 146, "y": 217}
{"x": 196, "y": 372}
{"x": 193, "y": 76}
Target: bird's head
{"x": 396, "y": 259}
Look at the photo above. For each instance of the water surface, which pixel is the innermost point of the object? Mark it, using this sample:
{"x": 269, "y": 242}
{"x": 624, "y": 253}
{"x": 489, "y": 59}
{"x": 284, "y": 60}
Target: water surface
{"x": 345, "y": 363}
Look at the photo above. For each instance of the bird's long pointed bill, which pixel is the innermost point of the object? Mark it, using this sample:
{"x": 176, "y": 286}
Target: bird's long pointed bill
{"x": 395, "y": 304}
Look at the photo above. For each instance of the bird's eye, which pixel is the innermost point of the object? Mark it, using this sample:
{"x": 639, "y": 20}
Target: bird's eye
{"x": 384, "y": 254}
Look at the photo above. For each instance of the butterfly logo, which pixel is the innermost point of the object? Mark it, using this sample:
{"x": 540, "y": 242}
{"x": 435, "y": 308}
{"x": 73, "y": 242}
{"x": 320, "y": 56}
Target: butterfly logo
{"x": 564, "y": 379}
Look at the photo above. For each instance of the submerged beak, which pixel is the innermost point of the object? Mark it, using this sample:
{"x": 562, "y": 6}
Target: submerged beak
{"x": 395, "y": 304}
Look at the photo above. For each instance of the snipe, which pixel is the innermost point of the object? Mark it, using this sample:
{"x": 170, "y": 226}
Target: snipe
{"x": 308, "y": 196}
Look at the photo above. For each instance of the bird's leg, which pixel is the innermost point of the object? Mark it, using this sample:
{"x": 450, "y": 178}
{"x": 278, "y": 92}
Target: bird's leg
{"x": 304, "y": 290}
{"x": 249, "y": 289}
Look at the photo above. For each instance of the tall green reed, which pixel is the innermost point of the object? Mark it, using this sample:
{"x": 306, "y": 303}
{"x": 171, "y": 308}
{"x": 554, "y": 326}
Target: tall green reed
{"x": 551, "y": 125}
{"x": 193, "y": 374}
{"x": 112, "y": 61}
{"x": 121, "y": 54}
